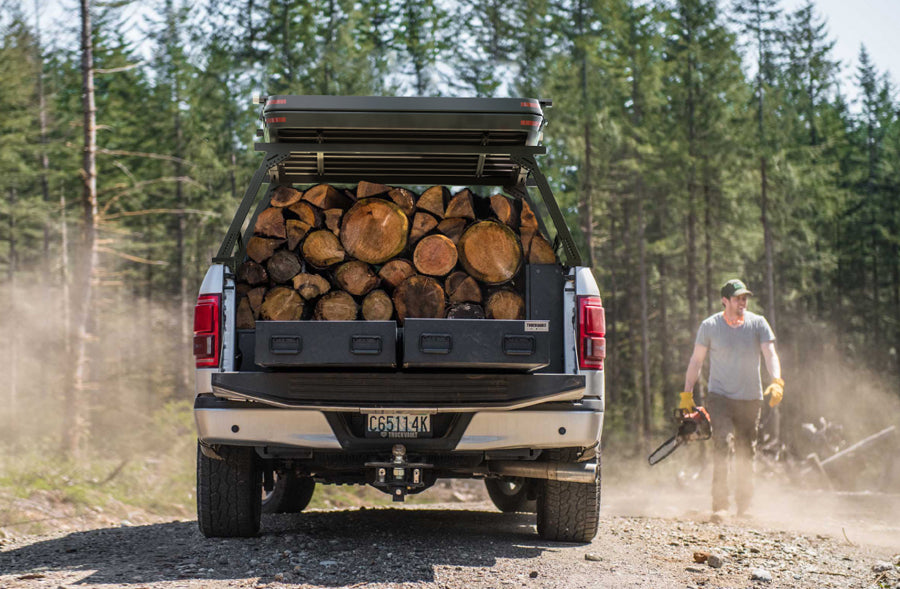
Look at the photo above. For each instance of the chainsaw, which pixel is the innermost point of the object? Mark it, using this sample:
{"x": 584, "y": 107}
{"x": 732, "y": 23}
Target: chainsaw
{"x": 692, "y": 425}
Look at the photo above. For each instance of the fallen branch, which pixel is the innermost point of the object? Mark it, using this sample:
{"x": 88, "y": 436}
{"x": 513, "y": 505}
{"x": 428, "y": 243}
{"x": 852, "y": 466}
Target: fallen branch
{"x": 112, "y": 475}
{"x": 846, "y": 538}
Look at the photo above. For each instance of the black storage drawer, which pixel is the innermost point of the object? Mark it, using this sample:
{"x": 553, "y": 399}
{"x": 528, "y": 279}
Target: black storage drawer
{"x": 370, "y": 344}
{"x": 476, "y": 344}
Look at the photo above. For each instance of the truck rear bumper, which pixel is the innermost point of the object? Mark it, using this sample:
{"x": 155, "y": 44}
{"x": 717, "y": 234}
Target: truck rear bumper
{"x": 487, "y": 430}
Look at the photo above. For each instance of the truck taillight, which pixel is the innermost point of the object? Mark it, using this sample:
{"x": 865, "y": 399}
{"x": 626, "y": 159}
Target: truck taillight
{"x": 207, "y": 335}
{"x": 591, "y": 333}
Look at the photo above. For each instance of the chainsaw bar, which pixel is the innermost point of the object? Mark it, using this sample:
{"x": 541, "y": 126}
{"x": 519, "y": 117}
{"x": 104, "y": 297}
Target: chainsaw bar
{"x": 663, "y": 451}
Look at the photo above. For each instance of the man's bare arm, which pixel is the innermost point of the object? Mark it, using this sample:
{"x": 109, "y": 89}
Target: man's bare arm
{"x": 694, "y": 366}
{"x": 773, "y": 364}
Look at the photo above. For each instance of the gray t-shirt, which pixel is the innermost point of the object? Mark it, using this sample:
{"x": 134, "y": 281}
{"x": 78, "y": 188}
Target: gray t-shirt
{"x": 734, "y": 354}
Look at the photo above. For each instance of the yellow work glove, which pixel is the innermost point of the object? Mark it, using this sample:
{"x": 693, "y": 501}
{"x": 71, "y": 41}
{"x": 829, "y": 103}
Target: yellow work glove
{"x": 775, "y": 392}
{"x": 687, "y": 401}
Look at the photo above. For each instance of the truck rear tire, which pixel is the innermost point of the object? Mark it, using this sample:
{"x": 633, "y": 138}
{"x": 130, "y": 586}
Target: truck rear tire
{"x": 510, "y": 494}
{"x": 568, "y": 512}
{"x": 291, "y": 494}
{"x": 229, "y": 492}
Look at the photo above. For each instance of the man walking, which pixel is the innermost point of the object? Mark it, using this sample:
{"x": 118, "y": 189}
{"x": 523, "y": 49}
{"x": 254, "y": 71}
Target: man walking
{"x": 734, "y": 339}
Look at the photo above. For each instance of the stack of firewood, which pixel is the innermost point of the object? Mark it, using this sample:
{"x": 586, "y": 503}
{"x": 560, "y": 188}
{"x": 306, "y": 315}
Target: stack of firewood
{"x": 382, "y": 253}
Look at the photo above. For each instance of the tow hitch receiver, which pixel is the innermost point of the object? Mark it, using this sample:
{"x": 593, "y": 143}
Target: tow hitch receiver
{"x": 399, "y": 476}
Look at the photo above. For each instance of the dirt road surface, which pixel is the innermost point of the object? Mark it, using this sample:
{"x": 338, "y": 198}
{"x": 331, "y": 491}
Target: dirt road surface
{"x": 646, "y": 539}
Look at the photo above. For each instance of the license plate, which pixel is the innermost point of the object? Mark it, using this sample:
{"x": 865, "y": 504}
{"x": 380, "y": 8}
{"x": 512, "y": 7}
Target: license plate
{"x": 398, "y": 425}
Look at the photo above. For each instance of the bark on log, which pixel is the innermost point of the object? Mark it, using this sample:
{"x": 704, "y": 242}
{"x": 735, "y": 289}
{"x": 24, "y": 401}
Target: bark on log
{"x": 505, "y": 210}
{"x": 333, "y": 220}
{"x": 434, "y": 200}
{"x": 296, "y": 231}
{"x": 396, "y": 271}
{"x": 311, "y": 286}
{"x": 256, "y": 297}
{"x": 435, "y": 255}
{"x": 465, "y": 311}
{"x": 527, "y": 219}
{"x": 377, "y": 306}
{"x": 422, "y": 224}
{"x": 374, "y": 230}
{"x": 460, "y": 205}
{"x": 336, "y": 305}
{"x": 355, "y": 277}
{"x": 505, "y": 304}
{"x": 366, "y": 189}
{"x": 270, "y": 223}
{"x": 462, "y": 288}
{"x": 322, "y": 249}
{"x": 252, "y": 273}
{"x": 283, "y": 266}
{"x": 244, "y": 318}
{"x": 326, "y": 196}
{"x": 282, "y": 304}
{"x": 307, "y": 213}
{"x": 540, "y": 251}
{"x": 404, "y": 199}
{"x": 284, "y": 196}
{"x": 261, "y": 249}
{"x": 419, "y": 296}
{"x": 453, "y": 228}
{"x": 490, "y": 252}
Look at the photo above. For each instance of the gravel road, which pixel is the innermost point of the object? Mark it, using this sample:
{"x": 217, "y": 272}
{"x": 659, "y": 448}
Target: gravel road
{"x": 459, "y": 545}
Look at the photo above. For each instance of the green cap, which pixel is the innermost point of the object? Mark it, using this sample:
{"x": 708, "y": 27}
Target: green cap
{"x": 735, "y": 287}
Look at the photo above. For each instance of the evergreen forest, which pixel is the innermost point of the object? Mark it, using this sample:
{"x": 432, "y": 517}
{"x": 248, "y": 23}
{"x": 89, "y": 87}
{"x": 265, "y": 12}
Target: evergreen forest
{"x": 689, "y": 142}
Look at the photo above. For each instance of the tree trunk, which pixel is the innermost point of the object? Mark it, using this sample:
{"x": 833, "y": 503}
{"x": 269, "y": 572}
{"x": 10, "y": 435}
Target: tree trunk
{"x": 374, "y": 230}
{"x": 769, "y": 246}
{"x": 490, "y": 252}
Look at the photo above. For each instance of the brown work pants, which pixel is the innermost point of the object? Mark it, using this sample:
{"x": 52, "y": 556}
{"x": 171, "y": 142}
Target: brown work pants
{"x": 734, "y": 429}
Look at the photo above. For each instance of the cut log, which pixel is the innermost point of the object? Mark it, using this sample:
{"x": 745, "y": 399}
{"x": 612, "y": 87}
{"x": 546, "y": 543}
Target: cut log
{"x": 377, "y": 306}
{"x": 462, "y": 288}
{"x": 336, "y": 305}
{"x": 465, "y": 311}
{"x": 311, "y": 286}
{"x": 460, "y": 205}
{"x": 261, "y": 249}
{"x": 490, "y": 252}
{"x": 355, "y": 277}
{"x": 419, "y": 296}
{"x": 326, "y": 196}
{"x": 505, "y": 304}
{"x": 396, "y": 271}
{"x": 404, "y": 199}
{"x": 322, "y": 249}
{"x": 284, "y": 196}
{"x": 296, "y": 231}
{"x": 256, "y": 297}
{"x": 540, "y": 251}
{"x": 283, "y": 265}
{"x": 282, "y": 304}
{"x": 374, "y": 230}
{"x": 527, "y": 219}
{"x": 366, "y": 189}
{"x": 433, "y": 200}
{"x": 525, "y": 237}
{"x": 242, "y": 288}
{"x": 453, "y": 227}
{"x": 244, "y": 318}
{"x": 306, "y": 213}
{"x": 251, "y": 273}
{"x": 333, "y": 220}
{"x": 422, "y": 224}
{"x": 435, "y": 255}
{"x": 270, "y": 223}
{"x": 505, "y": 210}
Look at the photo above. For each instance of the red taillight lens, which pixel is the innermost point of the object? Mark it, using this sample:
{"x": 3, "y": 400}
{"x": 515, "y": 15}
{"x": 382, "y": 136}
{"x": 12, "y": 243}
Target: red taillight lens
{"x": 591, "y": 333}
{"x": 206, "y": 331}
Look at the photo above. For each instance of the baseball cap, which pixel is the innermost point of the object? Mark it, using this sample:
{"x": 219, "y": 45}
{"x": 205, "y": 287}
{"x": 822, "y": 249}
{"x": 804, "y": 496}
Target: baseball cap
{"x": 735, "y": 287}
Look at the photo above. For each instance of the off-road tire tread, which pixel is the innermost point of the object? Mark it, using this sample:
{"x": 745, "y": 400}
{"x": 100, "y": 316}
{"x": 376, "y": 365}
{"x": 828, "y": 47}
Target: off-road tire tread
{"x": 228, "y": 493}
{"x": 568, "y": 512}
